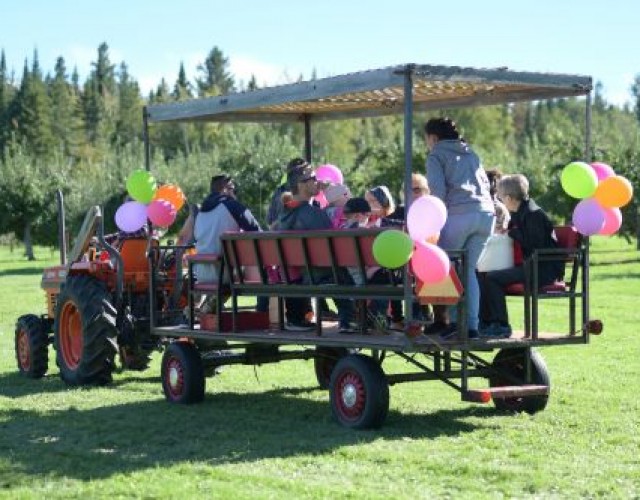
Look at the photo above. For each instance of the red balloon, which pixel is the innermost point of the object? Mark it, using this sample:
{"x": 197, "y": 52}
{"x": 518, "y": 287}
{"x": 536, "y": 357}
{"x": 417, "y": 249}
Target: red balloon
{"x": 612, "y": 221}
{"x": 161, "y": 213}
{"x": 430, "y": 263}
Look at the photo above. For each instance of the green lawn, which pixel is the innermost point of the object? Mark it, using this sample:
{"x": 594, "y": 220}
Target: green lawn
{"x": 267, "y": 432}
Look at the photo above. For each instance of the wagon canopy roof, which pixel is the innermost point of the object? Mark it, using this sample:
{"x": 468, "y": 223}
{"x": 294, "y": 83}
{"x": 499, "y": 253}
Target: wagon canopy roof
{"x": 374, "y": 93}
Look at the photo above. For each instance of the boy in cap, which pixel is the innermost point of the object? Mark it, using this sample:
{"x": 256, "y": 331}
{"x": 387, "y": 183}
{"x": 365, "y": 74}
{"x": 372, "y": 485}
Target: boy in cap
{"x": 356, "y": 213}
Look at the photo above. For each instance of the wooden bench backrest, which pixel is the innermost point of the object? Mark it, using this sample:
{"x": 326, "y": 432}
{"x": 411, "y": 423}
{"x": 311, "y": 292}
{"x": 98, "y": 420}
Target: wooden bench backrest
{"x": 298, "y": 249}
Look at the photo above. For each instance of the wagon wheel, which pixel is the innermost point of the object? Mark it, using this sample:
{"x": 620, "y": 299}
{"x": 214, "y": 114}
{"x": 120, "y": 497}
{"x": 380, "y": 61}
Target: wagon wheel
{"x": 324, "y": 363}
{"x": 85, "y": 332}
{"x": 359, "y": 392}
{"x": 31, "y": 342}
{"x": 182, "y": 374}
{"x": 509, "y": 369}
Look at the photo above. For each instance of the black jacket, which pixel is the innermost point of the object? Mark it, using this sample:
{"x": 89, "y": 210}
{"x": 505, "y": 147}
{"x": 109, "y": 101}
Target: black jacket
{"x": 533, "y": 229}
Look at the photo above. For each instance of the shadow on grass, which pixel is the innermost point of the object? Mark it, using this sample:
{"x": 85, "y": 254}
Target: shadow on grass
{"x": 25, "y": 271}
{"x": 226, "y": 428}
{"x": 614, "y": 262}
{"x": 616, "y": 276}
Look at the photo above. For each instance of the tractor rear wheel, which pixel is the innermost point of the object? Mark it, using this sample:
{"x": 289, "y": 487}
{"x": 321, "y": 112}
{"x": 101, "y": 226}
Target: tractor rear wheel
{"x": 31, "y": 341}
{"x": 85, "y": 332}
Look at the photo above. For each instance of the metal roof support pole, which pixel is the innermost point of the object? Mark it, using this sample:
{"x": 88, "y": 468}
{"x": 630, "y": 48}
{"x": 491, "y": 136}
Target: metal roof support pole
{"x": 585, "y": 274}
{"x": 145, "y": 137}
{"x": 408, "y": 159}
{"x": 307, "y": 137}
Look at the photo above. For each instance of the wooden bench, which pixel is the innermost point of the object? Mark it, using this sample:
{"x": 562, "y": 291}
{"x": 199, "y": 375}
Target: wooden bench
{"x": 298, "y": 264}
{"x": 572, "y": 250}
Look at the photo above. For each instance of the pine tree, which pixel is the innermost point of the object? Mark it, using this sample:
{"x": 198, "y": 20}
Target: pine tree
{"x": 33, "y": 110}
{"x": 66, "y": 122}
{"x": 99, "y": 99}
{"x": 129, "y": 122}
{"x": 215, "y": 79}
{"x": 635, "y": 91}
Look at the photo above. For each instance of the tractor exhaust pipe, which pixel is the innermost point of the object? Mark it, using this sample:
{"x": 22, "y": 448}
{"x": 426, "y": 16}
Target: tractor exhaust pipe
{"x": 62, "y": 229}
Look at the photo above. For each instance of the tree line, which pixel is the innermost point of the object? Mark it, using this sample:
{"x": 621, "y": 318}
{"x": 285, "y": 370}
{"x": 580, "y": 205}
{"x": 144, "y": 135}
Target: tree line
{"x": 84, "y": 138}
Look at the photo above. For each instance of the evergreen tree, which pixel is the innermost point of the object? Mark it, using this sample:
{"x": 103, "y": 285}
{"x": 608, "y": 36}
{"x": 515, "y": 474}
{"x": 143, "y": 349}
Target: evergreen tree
{"x": 99, "y": 100}
{"x": 129, "y": 122}
{"x": 33, "y": 110}
{"x": 253, "y": 83}
{"x": 215, "y": 78}
{"x": 635, "y": 91}
{"x": 66, "y": 123}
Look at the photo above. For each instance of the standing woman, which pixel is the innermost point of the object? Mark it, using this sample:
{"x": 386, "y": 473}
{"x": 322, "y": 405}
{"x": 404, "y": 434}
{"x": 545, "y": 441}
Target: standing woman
{"x": 455, "y": 175}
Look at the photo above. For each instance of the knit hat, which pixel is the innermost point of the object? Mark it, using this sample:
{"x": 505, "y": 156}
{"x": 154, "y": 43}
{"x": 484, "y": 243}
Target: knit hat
{"x": 382, "y": 195}
{"x": 335, "y": 192}
{"x": 356, "y": 206}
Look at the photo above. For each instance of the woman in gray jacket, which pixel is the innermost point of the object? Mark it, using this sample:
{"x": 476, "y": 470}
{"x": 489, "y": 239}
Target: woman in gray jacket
{"x": 455, "y": 175}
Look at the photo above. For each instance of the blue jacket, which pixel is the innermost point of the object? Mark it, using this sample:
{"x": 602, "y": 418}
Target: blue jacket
{"x": 455, "y": 175}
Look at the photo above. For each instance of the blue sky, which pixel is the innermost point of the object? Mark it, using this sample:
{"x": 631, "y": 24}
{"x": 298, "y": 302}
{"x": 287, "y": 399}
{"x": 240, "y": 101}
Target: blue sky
{"x": 279, "y": 39}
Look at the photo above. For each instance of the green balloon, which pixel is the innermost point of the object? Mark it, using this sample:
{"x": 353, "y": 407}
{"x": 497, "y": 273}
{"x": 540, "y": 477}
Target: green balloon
{"x": 392, "y": 248}
{"x": 579, "y": 180}
{"x": 141, "y": 186}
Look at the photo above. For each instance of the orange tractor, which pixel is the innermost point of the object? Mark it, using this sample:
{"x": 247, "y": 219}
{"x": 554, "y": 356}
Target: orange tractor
{"x": 98, "y": 305}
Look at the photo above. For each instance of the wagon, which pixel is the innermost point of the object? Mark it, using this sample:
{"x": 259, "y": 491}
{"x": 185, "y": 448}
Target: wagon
{"x": 352, "y": 367}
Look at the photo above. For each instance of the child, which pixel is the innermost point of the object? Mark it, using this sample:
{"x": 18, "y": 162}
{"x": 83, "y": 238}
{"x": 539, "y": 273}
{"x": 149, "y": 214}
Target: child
{"x": 336, "y": 195}
{"x": 382, "y": 205}
{"x": 356, "y": 213}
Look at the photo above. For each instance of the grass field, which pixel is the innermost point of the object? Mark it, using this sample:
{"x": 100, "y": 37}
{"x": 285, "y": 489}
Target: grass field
{"x": 267, "y": 432}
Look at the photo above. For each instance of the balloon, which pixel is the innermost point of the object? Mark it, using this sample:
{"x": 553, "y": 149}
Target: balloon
{"x": 329, "y": 173}
{"x": 615, "y": 191}
{"x": 602, "y": 170}
{"x": 392, "y": 248}
{"x": 430, "y": 263}
{"x": 172, "y": 193}
{"x": 612, "y": 221}
{"x": 141, "y": 186}
{"x": 588, "y": 217}
{"x": 161, "y": 213}
{"x": 131, "y": 216}
{"x": 426, "y": 217}
{"x": 579, "y": 179}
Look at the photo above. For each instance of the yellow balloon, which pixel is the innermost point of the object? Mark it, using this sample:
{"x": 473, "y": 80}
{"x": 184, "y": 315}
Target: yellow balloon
{"x": 614, "y": 192}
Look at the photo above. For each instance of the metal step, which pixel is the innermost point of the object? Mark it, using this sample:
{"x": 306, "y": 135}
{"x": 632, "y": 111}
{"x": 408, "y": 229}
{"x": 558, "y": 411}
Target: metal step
{"x": 503, "y": 392}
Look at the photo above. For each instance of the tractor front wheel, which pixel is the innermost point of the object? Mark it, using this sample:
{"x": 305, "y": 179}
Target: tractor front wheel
{"x": 85, "y": 332}
{"x": 31, "y": 342}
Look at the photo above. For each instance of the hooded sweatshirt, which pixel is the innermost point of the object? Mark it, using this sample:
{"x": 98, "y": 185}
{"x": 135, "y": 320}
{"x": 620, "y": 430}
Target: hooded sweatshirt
{"x": 219, "y": 213}
{"x": 455, "y": 175}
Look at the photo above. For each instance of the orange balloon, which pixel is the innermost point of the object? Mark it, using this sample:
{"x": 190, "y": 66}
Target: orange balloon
{"x": 172, "y": 193}
{"x": 614, "y": 192}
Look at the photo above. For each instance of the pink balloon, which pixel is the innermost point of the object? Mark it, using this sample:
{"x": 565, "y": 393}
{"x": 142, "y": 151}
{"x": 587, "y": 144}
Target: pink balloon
{"x": 329, "y": 173}
{"x": 602, "y": 170}
{"x": 426, "y": 217}
{"x": 588, "y": 217}
{"x": 430, "y": 263}
{"x": 612, "y": 221}
{"x": 161, "y": 213}
{"x": 131, "y": 216}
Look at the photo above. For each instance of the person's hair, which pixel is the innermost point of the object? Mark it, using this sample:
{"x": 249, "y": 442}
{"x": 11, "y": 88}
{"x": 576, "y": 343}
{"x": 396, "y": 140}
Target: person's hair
{"x": 297, "y": 163}
{"x": 516, "y": 186}
{"x": 494, "y": 175}
{"x": 421, "y": 180}
{"x": 219, "y": 182}
{"x": 383, "y": 196}
{"x": 356, "y": 206}
{"x": 444, "y": 128}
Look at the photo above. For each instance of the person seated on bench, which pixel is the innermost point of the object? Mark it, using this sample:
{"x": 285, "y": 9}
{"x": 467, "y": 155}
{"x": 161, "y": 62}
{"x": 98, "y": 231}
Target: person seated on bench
{"x": 356, "y": 212}
{"x": 531, "y": 228}
{"x": 220, "y": 212}
{"x": 299, "y": 214}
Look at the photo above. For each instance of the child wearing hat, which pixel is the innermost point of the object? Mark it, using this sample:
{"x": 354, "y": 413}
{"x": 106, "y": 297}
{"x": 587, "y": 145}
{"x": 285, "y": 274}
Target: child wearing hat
{"x": 382, "y": 205}
{"x": 337, "y": 196}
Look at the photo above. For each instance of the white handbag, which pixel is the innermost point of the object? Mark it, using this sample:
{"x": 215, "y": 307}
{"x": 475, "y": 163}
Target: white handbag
{"x": 497, "y": 255}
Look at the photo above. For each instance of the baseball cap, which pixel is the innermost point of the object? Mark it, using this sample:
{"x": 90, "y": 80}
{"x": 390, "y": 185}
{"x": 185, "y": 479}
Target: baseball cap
{"x": 300, "y": 174}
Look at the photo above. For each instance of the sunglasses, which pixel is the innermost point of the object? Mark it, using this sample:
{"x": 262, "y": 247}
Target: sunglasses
{"x": 312, "y": 178}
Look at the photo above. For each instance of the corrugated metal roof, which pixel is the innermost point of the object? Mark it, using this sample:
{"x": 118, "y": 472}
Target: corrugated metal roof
{"x": 374, "y": 93}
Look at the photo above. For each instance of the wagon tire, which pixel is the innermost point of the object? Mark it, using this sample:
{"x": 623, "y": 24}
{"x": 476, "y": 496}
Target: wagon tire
{"x": 359, "y": 392}
{"x": 511, "y": 362}
{"x": 182, "y": 373}
{"x": 85, "y": 332}
{"x": 31, "y": 345}
{"x": 325, "y": 361}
